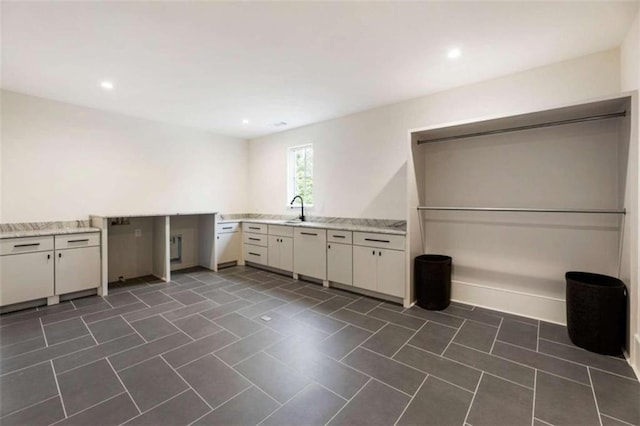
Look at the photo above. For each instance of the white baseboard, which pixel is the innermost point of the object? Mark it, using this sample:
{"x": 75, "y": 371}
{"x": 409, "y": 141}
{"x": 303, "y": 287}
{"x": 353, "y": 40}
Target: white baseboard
{"x": 635, "y": 361}
{"x": 519, "y": 303}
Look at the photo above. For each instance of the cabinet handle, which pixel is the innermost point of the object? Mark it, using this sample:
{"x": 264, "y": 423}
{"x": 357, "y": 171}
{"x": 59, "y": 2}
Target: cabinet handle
{"x": 379, "y": 253}
{"x": 373, "y": 252}
{"x": 79, "y": 241}
{"x": 338, "y": 236}
{"x": 328, "y": 246}
{"x": 254, "y": 254}
{"x": 254, "y": 239}
{"x": 26, "y": 245}
{"x": 48, "y": 256}
{"x": 376, "y": 240}
{"x": 218, "y": 237}
{"x": 59, "y": 255}
{"x": 227, "y": 227}
{"x": 309, "y": 233}
{"x": 254, "y": 227}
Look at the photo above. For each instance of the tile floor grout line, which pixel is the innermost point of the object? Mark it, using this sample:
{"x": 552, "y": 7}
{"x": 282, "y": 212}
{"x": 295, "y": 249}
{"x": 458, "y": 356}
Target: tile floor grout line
{"x": 538, "y": 338}
{"x": 46, "y": 341}
{"x": 142, "y": 413}
{"x": 382, "y": 381}
{"x": 88, "y": 408}
{"x": 123, "y": 385}
{"x": 573, "y": 362}
{"x": 282, "y": 404}
{"x": 75, "y": 367}
{"x": 411, "y": 400}
{"x": 44, "y": 360}
{"x": 89, "y": 330}
{"x": 542, "y": 421}
{"x": 473, "y": 398}
{"x": 357, "y": 346}
{"x": 304, "y": 375}
{"x": 247, "y": 379}
{"x": 533, "y": 408}
{"x": 452, "y": 339}
{"x": 22, "y": 342}
{"x": 411, "y": 338}
{"x": 578, "y": 348}
{"x": 19, "y": 410}
{"x": 617, "y": 419}
{"x": 350, "y": 399}
{"x": 471, "y": 366}
{"x": 417, "y": 369}
{"x": 55, "y": 377}
{"x": 151, "y": 341}
{"x": 186, "y": 382}
{"x": 495, "y": 338}
{"x": 595, "y": 399}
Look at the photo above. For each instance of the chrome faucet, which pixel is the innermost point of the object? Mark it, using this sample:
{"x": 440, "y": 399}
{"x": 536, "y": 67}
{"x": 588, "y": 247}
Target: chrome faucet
{"x": 302, "y": 204}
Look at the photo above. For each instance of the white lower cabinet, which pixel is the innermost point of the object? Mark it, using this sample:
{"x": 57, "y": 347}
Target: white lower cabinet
{"x": 365, "y": 274}
{"x": 281, "y": 252}
{"x": 25, "y": 277}
{"x": 310, "y": 257}
{"x": 77, "y": 269}
{"x": 228, "y": 243}
{"x": 255, "y": 254}
{"x": 77, "y": 262}
{"x": 376, "y": 268}
{"x": 340, "y": 263}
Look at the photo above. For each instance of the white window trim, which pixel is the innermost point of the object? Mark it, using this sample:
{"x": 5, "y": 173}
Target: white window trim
{"x": 290, "y": 173}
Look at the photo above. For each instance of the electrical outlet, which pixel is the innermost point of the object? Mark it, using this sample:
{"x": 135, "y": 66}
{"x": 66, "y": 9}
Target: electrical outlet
{"x": 138, "y": 233}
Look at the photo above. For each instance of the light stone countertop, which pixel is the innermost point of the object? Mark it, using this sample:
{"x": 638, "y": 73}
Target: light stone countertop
{"x": 130, "y": 215}
{"x": 45, "y": 232}
{"x": 322, "y": 225}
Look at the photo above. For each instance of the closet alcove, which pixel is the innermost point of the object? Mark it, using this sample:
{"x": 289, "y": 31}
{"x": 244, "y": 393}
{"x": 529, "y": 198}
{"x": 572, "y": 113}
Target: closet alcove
{"x": 517, "y": 201}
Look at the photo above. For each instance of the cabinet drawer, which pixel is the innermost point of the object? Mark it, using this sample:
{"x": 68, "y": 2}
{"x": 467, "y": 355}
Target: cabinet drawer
{"x": 281, "y": 231}
{"x": 26, "y": 245}
{"x": 226, "y": 228}
{"x": 369, "y": 239}
{"x": 77, "y": 240}
{"x": 256, "y": 228}
{"x": 255, "y": 254}
{"x": 311, "y": 234}
{"x": 335, "y": 236}
{"x": 255, "y": 239}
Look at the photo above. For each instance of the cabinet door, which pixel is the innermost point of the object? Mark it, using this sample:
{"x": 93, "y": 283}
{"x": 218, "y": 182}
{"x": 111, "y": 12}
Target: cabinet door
{"x": 364, "y": 267}
{"x": 390, "y": 271}
{"x": 274, "y": 251}
{"x": 228, "y": 247}
{"x": 77, "y": 269}
{"x": 340, "y": 263}
{"x": 26, "y": 277}
{"x": 311, "y": 253}
{"x": 286, "y": 253}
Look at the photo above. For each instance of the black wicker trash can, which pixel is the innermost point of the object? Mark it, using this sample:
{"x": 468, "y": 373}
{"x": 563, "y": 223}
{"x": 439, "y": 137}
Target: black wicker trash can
{"x": 596, "y": 312}
{"x": 432, "y": 281}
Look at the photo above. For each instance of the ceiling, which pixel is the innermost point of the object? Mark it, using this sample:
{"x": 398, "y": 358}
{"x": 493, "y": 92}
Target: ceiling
{"x": 210, "y": 65}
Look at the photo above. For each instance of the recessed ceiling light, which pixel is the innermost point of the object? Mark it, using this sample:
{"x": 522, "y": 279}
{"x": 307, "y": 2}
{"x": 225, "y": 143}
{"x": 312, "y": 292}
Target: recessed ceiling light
{"x": 106, "y": 85}
{"x": 453, "y": 53}
{"x": 280, "y": 124}
{"x": 245, "y": 121}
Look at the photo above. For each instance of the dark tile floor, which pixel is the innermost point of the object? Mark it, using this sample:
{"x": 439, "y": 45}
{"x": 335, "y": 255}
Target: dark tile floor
{"x": 198, "y": 350}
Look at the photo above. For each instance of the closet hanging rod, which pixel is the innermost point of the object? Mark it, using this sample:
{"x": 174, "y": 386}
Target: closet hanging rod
{"x": 527, "y": 127}
{"x": 514, "y": 209}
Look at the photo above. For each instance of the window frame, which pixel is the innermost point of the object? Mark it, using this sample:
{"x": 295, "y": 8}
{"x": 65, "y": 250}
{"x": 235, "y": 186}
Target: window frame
{"x": 291, "y": 172}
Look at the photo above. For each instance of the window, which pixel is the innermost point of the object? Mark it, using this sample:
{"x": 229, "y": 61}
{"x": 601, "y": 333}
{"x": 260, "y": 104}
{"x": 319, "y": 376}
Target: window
{"x": 300, "y": 173}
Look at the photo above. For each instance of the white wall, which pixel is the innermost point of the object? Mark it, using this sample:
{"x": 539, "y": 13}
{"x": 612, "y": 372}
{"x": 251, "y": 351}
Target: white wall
{"x": 630, "y": 57}
{"x": 630, "y": 80}
{"x": 360, "y": 159}
{"x": 64, "y": 162}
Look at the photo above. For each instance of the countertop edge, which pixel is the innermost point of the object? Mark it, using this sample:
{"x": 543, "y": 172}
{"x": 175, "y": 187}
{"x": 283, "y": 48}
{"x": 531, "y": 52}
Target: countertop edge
{"x": 321, "y": 225}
